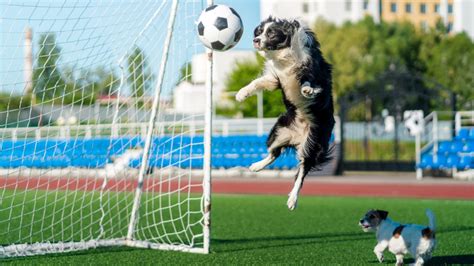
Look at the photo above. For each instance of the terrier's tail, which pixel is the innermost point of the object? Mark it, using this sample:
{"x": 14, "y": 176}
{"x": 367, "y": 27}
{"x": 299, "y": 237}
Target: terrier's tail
{"x": 431, "y": 219}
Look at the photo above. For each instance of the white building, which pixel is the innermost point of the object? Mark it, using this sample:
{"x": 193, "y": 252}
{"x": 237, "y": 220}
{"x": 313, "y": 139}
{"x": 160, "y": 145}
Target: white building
{"x": 340, "y": 11}
{"x": 190, "y": 97}
{"x": 464, "y": 17}
{"x": 335, "y": 11}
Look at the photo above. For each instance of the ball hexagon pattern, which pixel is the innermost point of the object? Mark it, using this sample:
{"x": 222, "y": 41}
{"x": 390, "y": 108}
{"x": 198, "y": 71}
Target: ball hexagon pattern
{"x": 219, "y": 27}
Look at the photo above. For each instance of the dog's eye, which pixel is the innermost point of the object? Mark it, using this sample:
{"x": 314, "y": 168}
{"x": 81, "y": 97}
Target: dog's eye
{"x": 371, "y": 216}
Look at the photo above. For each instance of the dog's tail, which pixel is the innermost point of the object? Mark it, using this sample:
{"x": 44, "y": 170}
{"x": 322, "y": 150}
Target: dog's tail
{"x": 431, "y": 219}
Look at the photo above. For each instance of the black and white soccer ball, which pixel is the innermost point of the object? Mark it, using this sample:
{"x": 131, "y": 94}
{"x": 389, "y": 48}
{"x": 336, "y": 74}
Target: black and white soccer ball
{"x": 219, "y": 27}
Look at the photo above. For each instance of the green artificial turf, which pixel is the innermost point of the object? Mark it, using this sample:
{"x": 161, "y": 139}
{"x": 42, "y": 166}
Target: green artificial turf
{"x": 322, "y": 231}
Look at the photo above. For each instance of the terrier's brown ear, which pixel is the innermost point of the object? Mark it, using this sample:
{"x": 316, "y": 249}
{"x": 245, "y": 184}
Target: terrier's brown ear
{"x": 382, "y": 214}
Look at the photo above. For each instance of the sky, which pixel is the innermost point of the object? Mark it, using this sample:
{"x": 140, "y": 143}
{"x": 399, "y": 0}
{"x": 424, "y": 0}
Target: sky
{"x": 89, "y": 35}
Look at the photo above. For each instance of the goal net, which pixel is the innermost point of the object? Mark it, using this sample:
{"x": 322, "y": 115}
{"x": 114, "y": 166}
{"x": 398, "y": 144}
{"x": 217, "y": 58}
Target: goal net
{"x": 92, "y": 152}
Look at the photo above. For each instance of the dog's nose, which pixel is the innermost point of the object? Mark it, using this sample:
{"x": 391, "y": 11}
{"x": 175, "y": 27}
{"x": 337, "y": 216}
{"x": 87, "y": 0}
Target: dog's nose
{"x": 256, "y": 40}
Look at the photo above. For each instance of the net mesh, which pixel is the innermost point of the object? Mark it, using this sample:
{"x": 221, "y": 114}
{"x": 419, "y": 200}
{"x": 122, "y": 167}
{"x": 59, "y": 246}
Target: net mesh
{"x": 77, "y": 82}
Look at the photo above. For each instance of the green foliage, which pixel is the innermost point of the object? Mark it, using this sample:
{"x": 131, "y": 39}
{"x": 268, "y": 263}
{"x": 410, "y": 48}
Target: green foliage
{"x": 48, "y": 83}
{"x": 186, "y": 73}
{"x": 243, "y": 74}
{"x": 450, "y": 61}
{"x": 139, "y": 76}
{"x": 10, "y": 102}
{"x": 67, "y": 85}
{"x": 369, "y": 58}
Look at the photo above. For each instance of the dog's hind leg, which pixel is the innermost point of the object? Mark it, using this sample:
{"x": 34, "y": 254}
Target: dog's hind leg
{"x": 274, "y": 150}
{"x": 293, "y": 196}
{"x": 399, "y": 259}
{"x": 277, "y": 140}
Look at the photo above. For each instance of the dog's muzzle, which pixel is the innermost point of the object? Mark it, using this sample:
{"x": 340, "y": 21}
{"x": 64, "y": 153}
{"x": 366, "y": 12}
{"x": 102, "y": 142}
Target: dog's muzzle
{"x": 256, "y": 43}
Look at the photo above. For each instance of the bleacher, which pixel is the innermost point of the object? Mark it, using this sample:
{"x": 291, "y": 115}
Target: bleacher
{"x": 178, "y": 151}
{"x": 457, "y": 153}
{"x": 62, "y": 153}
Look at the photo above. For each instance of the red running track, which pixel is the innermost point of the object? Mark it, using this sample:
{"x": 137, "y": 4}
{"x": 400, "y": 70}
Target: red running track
{"x": 461, "y": 190}
{"x": 341, "y": 188}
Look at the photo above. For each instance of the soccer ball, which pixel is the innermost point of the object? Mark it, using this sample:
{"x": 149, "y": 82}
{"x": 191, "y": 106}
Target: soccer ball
{"x": 219, "y": 27}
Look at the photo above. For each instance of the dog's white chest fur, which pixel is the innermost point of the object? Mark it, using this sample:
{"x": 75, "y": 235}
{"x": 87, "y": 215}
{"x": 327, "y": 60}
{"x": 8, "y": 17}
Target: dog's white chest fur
{"x": 282, "y": 64}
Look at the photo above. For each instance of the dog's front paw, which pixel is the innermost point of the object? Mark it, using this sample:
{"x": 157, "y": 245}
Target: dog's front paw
{"x": 380, "y": 257}
{"x": 308, "y": 92}
{"x": 242, "y": 95}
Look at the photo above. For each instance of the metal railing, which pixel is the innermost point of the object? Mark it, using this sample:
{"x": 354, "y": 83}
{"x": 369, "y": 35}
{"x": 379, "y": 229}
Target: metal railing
{"x": 464, "y": 119}
{"x": 220, "y": 127}
{"x": 434, "y": 131}
{"x": 223, "y": 127}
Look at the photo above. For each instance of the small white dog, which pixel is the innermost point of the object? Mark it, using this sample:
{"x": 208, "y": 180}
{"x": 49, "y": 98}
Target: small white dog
{"x": 417, "y": 240}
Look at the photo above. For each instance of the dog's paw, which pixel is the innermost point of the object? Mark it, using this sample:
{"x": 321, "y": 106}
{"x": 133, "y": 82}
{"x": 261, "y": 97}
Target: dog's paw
{"x": 380, "y": 257}
{"x": 255, "y": 167}
{"x": 309, "y": 92}
{"x": 292, "y": 201}
{"x": 242, "y": 95}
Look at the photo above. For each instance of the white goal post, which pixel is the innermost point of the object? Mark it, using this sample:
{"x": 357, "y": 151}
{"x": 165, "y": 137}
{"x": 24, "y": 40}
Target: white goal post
{"x": 71, "y": 64}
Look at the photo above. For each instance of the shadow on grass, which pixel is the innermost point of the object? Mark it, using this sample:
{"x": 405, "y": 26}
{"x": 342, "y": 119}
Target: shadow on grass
{"x": 448, "y": 260}
{"x": 254, "y": 243}
{"x": 86, "y": 252}
{"x": 233, "y": 245}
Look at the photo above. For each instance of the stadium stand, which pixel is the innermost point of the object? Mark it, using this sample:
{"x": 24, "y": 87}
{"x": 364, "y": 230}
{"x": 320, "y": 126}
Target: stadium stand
{"x": 179, "y": 151}
{"x": 457, "y": 153}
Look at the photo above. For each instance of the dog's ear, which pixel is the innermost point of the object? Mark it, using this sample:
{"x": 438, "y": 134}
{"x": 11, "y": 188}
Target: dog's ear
{"x": 295, "y": 24}
{"x": 382, "y": 214}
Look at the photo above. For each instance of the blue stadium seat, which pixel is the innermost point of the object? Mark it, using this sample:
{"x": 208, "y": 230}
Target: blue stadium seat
{"x": 471, "y": 134}
{"x": 444, "y": 147}
{"x": 439, "y": 161}
{"x": 465, "y": 162}
{"x": 426, "y": 161}
{"x": 452, "y": 161}
{"x": 457, "y": 146}
{"x": 469, "y": 146}
{"x": 463, "y": 134}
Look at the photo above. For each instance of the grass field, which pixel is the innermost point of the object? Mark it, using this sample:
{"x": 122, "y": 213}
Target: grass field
{"x": 323, "y": 230}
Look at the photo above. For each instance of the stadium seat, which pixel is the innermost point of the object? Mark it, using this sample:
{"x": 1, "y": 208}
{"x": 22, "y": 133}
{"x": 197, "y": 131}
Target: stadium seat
{"x": 457, "y": 146}
{"x": 471, "y": 134}
{"x": 469, "y": 146}
{"x": 452, "y": 161}
{"x": 465, "y": 162}
{"x": 227, "y": 152}
{"x": 444, "y": 147}
{"x": 463, "y": 134}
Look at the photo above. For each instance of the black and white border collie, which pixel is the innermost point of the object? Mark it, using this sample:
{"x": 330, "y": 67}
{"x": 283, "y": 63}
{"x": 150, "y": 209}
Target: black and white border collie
{"x": 295, "y": 65}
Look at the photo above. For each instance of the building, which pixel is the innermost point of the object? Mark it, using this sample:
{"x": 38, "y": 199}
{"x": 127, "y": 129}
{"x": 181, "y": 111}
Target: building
{"x": 422, "y": 13}
{"x": 457, "y": 15}
{"x": 335, "y": 11}
{"x": 189, "y": 97}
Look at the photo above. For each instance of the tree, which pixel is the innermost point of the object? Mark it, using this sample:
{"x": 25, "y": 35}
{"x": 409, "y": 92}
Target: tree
{"x": 139, "y": 76}
{"x": 186, "y": 73}
{"x": 48, "y": 83}
{"x": 450, "y": 61}
{"x": 362, "y": 54}
{"x": 243, "y": 74}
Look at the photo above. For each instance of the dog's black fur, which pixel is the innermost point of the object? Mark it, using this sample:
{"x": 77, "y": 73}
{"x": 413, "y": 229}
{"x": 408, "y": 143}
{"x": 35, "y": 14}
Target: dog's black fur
{"x": 318, "y": 110}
